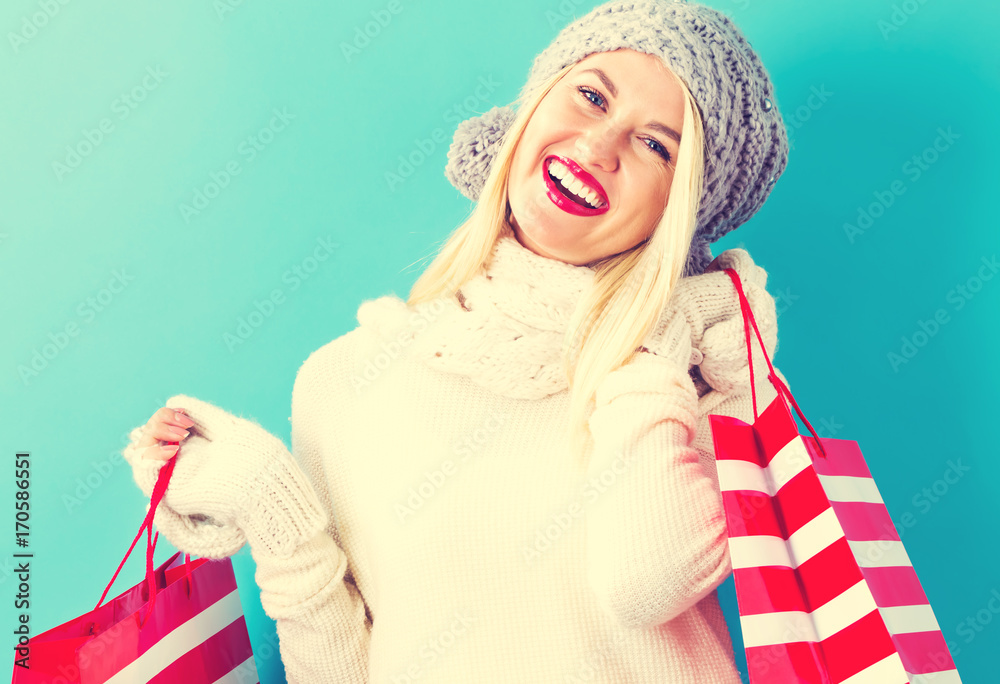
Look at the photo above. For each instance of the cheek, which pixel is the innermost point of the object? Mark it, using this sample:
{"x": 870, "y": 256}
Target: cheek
{"x": 658, "y": 188}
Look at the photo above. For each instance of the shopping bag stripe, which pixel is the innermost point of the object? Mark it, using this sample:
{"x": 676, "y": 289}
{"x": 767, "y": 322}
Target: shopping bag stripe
{"x": 746, "y": 471}
{"x": 810, "y": 539}
{"x": 846, "y": 657}
{"x": 848, "y": 488}
{"x": 767, "y": 629}
{"x": 857, "y": 646}
{"x": 775, "y": 428}
{"x": 244, "y": 673}
{"x": 800, "y": 661}
{"x": 822, "y": 578}
{"x": 843, "y": 457}
{"x": 924, "y": 652}
{"x": 822, "y": 623}
{"x": 735, "y": 474}
{"x": 904, "y": 619}
{"x": 865, "y": 521}
{"x": 943, "y": 677}
{"x": 751, "y": 513}
{"x": 733, "y": 439}
{"x": 213, "y": 658}
{"x": 790, "y": 460}
{"x": 180, "y": 640}
{"x": 879, "y": 554}
{"x": 895, "y": 586}
{"x": 800, "y": 501}
{"x": 889, "y": 670}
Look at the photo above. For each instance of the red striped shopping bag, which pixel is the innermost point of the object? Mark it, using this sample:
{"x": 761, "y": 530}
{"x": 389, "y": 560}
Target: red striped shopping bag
{"x": 825, "y": 590}
{"x": 183, "y": 623}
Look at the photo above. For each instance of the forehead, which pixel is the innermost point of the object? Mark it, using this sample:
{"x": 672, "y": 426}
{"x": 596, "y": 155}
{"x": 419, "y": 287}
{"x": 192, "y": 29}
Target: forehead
{"x": 625, "y": 60}
{"x": 637, "y": 74}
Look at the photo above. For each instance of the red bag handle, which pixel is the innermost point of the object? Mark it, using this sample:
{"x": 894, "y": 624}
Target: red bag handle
{"x": 775, "y": 380}
{"x": 159, "y": 490}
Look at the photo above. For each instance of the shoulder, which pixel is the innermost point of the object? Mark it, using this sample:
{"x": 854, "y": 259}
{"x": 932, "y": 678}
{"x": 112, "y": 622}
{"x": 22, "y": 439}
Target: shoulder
{"x": 326, "y": 369}
{"x": 377, "y": 318}
{"x": 337, "y": 364}
{"x": 389, "y": 318}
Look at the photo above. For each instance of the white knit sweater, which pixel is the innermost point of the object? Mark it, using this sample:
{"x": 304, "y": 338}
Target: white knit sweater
{"x": 466, "y": 544}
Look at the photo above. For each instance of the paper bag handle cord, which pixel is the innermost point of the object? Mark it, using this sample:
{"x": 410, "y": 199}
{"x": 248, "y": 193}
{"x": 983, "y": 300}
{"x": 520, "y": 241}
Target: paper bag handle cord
{"x": 159, "y": 490}
{"x": 783, "y": 390}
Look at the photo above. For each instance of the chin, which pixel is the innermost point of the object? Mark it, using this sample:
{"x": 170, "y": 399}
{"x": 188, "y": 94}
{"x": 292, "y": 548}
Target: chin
{"x": 561, "y": 246}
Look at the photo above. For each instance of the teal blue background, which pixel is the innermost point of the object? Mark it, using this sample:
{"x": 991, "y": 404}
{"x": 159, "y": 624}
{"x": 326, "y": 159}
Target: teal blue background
{"x": 844, "y": 304}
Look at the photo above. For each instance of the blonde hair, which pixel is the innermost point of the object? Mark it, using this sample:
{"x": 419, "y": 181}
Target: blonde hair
{"x": 630, "y": 289}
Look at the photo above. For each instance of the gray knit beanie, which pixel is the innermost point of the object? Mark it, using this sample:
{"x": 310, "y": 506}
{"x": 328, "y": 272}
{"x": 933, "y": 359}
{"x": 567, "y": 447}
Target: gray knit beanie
{"x": 746, "y": 144}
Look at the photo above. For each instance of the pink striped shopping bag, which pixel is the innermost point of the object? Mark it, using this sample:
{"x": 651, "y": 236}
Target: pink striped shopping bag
{"x": 184, "y": 623}
{"x": 825, "y": 590}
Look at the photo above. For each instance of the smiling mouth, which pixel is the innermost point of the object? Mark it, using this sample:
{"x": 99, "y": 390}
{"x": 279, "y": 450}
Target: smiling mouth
{"x": 569, "y": 186}
{"x": 572, "y": 189}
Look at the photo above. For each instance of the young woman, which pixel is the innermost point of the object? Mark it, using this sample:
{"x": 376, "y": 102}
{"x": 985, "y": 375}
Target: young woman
{"x": 510, "y": 476}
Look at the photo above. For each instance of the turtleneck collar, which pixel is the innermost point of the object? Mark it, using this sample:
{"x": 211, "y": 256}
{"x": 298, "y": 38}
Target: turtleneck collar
{"x": 503, "y": 329}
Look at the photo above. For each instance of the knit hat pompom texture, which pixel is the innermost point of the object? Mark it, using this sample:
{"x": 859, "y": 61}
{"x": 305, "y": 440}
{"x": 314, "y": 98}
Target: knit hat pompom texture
{"x": 746, "y": 144}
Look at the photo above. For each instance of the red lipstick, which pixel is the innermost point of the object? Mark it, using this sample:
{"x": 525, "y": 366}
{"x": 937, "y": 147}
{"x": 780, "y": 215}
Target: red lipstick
{"x": 565, "y": 203}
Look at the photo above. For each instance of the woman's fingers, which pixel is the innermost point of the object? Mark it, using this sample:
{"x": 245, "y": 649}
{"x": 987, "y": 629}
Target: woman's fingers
{"x": 166, "y": 425}
{"x": 160, "y": 453}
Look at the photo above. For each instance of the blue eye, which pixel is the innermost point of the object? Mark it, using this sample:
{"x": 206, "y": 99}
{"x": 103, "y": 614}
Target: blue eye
{"x": 587, "y": 92}
{"x": 658, "y": 149}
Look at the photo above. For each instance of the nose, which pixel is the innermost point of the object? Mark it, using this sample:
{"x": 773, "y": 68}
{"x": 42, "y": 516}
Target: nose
{"x": 597, "y": 147}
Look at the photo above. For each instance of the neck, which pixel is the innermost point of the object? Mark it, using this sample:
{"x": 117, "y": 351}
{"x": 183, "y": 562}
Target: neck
{"x": 506, "y": 326}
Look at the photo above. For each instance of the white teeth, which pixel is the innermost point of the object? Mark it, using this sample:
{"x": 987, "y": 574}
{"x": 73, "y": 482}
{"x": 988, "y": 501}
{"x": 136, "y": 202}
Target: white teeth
{"x": 574, "y": 184}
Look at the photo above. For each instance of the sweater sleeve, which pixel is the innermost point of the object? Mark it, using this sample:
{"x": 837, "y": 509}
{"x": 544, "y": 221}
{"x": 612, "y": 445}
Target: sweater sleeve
{"x": 321, "y": 617}
{"x": 656, "y": 535}
{"x": 657, "y": 539}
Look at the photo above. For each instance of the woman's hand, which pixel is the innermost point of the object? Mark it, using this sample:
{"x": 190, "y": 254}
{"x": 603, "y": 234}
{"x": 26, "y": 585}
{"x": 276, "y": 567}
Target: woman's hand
{"x": 709, "y": 304}
{"x": 165, "y": 426}
{"x": 233, "y": 482}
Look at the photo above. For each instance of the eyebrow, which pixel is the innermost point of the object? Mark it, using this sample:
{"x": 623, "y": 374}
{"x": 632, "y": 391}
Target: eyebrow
{"x": 655, "y": 125}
